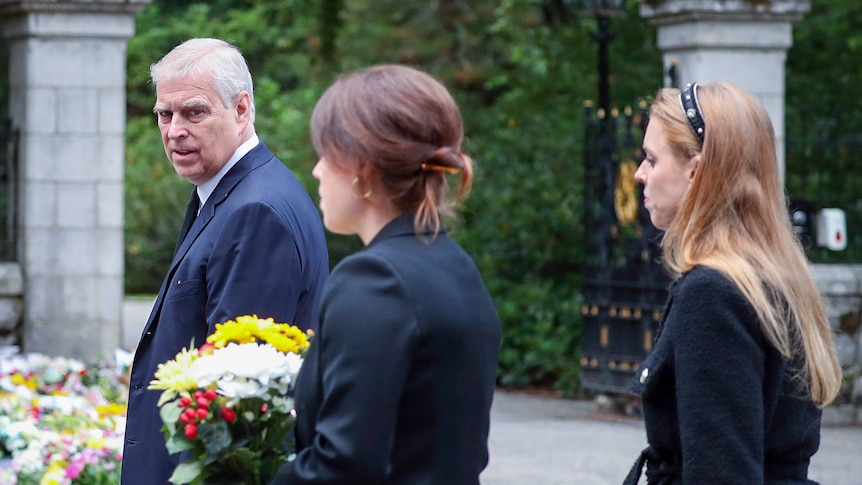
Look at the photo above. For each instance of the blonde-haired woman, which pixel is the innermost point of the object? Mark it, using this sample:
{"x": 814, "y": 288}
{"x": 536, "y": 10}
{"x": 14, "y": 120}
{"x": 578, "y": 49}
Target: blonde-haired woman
{"x": 744, "y": 358}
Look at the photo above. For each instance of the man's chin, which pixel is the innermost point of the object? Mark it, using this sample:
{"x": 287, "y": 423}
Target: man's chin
{"x": 189, "y": 174}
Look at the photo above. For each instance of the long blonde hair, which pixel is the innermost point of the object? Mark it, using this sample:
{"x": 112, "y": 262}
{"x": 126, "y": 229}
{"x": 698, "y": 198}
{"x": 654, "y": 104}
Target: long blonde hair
{"x": 734, "y": 219}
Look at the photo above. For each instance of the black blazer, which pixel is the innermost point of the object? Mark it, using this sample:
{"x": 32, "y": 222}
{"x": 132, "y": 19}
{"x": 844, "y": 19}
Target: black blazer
{"x": 257, "y": 247}
{"x": 719, "y": 403}
{"x": 397, "y": 385}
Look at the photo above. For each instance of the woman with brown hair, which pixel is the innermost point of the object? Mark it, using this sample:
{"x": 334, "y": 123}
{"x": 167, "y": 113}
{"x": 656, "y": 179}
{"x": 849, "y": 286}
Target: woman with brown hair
{"x": 744, "y": 358}
{"x": 398, "y": 382}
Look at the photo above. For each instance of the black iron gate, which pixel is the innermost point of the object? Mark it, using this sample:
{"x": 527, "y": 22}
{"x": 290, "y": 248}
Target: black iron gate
{"x": 624, "y": 287}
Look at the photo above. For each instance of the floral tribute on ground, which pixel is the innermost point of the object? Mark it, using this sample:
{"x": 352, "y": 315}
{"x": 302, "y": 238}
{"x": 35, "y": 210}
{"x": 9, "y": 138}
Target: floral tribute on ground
{"x": 227, "y": 404}
{"x": 61, "y": 421}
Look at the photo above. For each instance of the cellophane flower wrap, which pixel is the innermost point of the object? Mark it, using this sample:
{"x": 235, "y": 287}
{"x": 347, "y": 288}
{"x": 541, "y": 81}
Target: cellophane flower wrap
{"x": 227, "y": 404}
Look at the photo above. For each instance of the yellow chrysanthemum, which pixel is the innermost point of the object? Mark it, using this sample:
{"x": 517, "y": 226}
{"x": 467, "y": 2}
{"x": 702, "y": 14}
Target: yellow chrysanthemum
{"x": 111, "y": 409}
{"x": 240, "y": 331}
{"x": 55, "y": 474}
{"x": 288, "y": 338}
{"x": 20, "y": 380}
{"x": 282, "y": 343}
{"x": 96, "y": 443}
{"x": 173, "y": 376}
{"x": 249, "y": 328}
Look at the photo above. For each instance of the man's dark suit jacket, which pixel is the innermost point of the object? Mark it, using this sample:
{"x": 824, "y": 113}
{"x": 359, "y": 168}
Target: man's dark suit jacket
{"x": 256, "y": 247}
{"x": 398, "y": 382}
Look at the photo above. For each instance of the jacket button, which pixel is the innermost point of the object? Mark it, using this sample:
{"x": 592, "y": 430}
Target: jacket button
{"x": 644, "y": 375}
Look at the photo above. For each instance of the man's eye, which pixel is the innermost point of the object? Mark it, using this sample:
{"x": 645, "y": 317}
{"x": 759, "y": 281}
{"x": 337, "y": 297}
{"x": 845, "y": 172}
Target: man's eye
{"x": 196, "y": 112}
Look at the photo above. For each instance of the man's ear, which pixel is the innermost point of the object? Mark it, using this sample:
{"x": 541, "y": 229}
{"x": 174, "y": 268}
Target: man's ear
{"x": 691, "y": 167}
{"x": 243, "y": 106}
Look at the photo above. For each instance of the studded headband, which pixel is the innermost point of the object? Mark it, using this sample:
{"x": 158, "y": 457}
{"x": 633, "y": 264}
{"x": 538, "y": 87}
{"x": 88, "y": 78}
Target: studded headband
{"x": 691, "y": 108}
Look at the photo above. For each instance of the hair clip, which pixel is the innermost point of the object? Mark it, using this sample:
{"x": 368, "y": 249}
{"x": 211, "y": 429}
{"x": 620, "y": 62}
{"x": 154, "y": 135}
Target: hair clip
{"x": 439, "y": 168}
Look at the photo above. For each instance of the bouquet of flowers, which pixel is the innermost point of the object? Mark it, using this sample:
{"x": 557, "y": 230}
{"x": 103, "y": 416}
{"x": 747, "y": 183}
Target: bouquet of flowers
{"x": 227, "y": 404}
{"x": 61, "y": 421}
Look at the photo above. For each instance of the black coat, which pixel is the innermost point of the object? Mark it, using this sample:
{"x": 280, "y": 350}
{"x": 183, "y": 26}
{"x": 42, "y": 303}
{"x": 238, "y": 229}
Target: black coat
{"x": 719, "y": 401}
{"x": 397, "y": 385}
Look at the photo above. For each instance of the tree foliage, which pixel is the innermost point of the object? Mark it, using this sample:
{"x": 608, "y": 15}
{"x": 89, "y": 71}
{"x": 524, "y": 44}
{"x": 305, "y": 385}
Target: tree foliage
{"x": 521, "y": 71}
{"x": 823, "y": 117}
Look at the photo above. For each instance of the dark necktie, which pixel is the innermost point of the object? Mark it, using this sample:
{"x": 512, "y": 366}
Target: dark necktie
{"x": 191, "y": 214}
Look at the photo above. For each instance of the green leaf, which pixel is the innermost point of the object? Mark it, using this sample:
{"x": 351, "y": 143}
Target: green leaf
{"x": 245, "y": 460}
{"x": 178, "y": 442}
{"x": 186, "y": 472}
{"x": 216, "y": 438}
{"x": 242, "y": 433}
{"x": 170, "y": 414}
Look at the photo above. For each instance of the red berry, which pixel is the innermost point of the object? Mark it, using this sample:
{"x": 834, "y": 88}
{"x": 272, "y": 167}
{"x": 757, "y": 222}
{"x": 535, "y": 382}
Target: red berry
{"x": 210, "y": 394}
{"x": 203, "y": 402}
{"x": 188, "y": 416}
{"x": 228, "y": 414}
{"x": 202, "y": 414}
{"x": 263, "y": 408}
{"x": 191, "y": 431}
{"x": 184, "y": 401}
{"x": 199, "y": 394}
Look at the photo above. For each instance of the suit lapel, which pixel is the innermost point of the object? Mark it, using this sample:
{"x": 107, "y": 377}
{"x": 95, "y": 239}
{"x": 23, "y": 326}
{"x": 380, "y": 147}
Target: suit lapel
{"x": 251, "y": 161}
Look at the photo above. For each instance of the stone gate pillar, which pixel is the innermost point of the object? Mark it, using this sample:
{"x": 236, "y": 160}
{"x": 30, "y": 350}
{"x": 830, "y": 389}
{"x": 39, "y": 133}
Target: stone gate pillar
{"x": 741, "y": 41}
{"x": 67, "y": 97}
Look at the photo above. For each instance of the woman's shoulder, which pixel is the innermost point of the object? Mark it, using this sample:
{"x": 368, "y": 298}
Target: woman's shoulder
{"x": 386, "y": 260}
{"x": 705, "y": 281}
{"x": 372, "y": 260}
{"x": 707, "y": 296}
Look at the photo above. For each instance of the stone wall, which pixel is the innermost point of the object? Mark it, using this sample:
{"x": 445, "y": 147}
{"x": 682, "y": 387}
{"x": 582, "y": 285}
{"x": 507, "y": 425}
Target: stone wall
{"x": 841, "y": 287}
{"x": 11, "y": 303}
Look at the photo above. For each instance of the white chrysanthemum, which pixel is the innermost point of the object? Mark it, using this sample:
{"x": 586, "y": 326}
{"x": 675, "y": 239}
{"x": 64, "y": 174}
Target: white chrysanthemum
{"x": 294, "y": 362}
{"x": 64, "y": 404}
{"x": 282, "y": 404}
{"x": 12, "y": 362}
{"x": 237, "y": 388}
{"x": 246, "y": 370}
{"x": 15, "y": 434}
{"x": 36, "y": 361}
{"x": 32, "y": 457}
